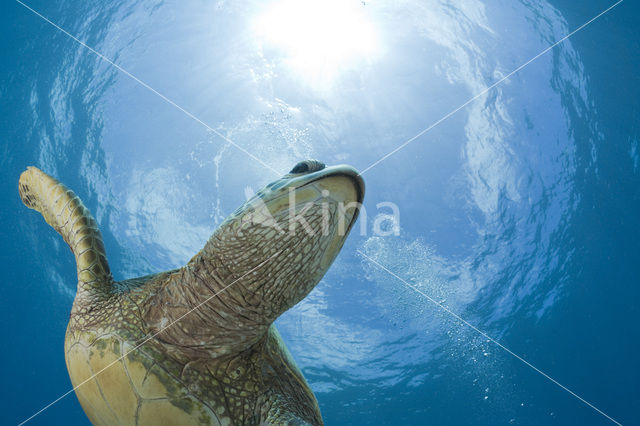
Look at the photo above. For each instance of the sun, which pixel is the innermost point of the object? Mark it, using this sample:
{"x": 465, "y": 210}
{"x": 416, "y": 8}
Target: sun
{"x": 318, "y": 39}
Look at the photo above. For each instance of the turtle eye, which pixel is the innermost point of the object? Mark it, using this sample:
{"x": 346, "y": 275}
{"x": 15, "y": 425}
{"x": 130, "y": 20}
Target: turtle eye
{"x": 301, "y": 167}
{"x": 307, "y": 166}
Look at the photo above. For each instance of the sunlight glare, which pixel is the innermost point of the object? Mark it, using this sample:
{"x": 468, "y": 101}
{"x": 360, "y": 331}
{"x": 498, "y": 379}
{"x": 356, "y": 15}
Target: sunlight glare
{"x": 319, "y": 38}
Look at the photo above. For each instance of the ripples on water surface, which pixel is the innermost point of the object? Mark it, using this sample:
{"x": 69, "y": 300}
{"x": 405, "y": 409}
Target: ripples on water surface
{"x": 518, "y": 212}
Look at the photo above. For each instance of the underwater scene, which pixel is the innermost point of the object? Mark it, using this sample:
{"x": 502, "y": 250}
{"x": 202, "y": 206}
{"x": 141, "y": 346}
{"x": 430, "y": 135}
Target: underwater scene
{"x": 491, "y": 276}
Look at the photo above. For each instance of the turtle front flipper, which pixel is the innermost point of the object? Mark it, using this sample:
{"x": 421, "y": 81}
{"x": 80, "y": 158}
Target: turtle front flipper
{"x": 63, "y": 210}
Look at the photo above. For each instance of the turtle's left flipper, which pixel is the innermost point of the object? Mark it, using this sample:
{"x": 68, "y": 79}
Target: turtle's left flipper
{"x": 63, "y": 210}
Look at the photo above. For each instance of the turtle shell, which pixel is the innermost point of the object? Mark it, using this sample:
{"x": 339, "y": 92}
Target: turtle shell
{"x": 119, "y": 383}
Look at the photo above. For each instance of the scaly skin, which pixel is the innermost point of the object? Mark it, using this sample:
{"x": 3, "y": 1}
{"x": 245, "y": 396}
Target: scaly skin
{"x": 197, "y": 345}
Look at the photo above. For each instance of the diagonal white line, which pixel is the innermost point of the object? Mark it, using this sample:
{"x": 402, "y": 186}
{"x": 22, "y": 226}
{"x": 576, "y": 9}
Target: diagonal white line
{"x": 146, "y": 86}
{"x": 490, "y": 87}
{"x": 485, "y": 335}
{"x": 147, "y": 339}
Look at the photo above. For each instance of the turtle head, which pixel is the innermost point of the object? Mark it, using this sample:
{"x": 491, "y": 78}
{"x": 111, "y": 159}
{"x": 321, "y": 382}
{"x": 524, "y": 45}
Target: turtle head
{"x": 279, "y": 244}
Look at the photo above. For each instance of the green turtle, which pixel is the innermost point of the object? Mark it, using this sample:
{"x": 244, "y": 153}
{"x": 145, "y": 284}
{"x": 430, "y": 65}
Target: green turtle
{"x": 197, "y": 345}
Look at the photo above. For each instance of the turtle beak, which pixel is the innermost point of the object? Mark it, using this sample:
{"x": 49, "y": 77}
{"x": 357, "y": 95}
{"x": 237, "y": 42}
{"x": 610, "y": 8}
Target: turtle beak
{"x": 343, "y": 183}
{"x": 339, "y": 170}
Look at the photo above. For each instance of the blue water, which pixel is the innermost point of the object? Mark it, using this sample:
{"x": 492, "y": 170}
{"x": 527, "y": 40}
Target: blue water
{"x": 519, "y": 212}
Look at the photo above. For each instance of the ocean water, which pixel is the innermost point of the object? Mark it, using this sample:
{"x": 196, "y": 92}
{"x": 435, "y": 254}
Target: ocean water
{"x": 517, "y": 212}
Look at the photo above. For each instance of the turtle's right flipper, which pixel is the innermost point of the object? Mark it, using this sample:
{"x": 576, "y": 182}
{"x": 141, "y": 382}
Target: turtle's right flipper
{"x": 64, "y": 211}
